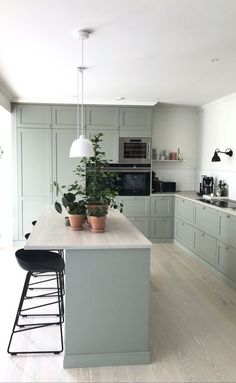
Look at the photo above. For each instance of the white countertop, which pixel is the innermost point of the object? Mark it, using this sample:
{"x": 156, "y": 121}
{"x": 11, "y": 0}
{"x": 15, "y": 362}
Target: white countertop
{"x": 51, "y": 233}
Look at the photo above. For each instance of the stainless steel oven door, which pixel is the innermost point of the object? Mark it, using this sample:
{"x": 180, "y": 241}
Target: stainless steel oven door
{"x": 134, "y": 182}
{"x": 134, "y": 150}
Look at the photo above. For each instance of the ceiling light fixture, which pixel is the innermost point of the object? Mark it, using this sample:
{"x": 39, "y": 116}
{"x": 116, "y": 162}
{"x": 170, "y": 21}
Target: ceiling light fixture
{"x": 81, "y": 147}
{"x": 216, "y": 157}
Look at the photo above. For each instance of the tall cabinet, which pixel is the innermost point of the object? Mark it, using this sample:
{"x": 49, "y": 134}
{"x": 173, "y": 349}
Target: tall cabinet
{"x": 44, "y": 134}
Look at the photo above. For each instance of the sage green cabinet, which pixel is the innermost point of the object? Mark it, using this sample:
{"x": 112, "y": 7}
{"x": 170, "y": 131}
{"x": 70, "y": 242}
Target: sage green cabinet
{"x": 109, "y": 144}
{"x": 34, "y": 158}
{"x": 135, "y": 121}
{"x": 33, "y": 116}
{"x": 65, "y": 116}
{"x": 102, "y": 117}
{"x": 206, "y": 219}
{"x": 162, "y": 218}
{"x": 184, "y": 209}
{"x": 205, "y": 246}
{"x": 226, "y": 260}
{"x": 184, "y": 233}
{"x": 227, "y": 228}
{"x": 136, "y": 209}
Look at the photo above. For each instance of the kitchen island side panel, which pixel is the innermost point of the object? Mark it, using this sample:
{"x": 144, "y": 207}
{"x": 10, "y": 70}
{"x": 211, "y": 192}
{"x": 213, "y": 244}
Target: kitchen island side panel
{"x": 107, "y": 307}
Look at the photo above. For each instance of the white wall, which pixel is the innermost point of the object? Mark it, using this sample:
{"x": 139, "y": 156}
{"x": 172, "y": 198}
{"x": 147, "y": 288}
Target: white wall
{"x": 176, "y": 126}
{"x": 5, "y": 178}
{"x": 5, "y": 97}
{"x": 217, "y": 129}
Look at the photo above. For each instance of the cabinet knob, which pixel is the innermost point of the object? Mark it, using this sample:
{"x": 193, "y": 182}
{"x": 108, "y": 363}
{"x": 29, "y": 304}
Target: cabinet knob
{"x": 182, "y": 223}
{"x": 228, "y": 216}
{"x": 183, "y": 200}
{"x": 202, "y": 235}
{"x": 203, "y": 208}
{"x": 227, "y": 248}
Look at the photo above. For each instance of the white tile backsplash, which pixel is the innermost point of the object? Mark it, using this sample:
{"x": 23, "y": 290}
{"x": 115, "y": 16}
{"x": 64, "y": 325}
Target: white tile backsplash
{"x": 184, "y": 178}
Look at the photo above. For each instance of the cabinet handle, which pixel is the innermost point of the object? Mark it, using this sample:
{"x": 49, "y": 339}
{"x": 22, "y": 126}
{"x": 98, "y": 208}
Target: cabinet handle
{"x": 202, "y": 235}
{"x": 227, "y": 248}
{"x": 182, "y": 224}
{"x": 228, "y": 216}
{"x": 203, "y": 208}
{"x": 183, "y": 200}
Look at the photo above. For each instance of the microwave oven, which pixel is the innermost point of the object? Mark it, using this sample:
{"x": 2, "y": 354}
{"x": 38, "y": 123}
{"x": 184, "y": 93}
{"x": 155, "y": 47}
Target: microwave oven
{"x": 134, "y": 150}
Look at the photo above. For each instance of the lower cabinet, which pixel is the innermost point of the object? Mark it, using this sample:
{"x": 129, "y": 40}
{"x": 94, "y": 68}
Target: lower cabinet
{"x": 136, "y": 209}
{"x": 142, "y": 225}
{"x": 205, "y": 246}
{"x": 162, "y": 218}
{"x": 161, "y": 228}
{"x": 226, "y": 260}
{"x": 184, "y": 233}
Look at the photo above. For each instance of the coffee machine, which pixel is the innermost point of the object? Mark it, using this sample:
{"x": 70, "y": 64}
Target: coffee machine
{"x": 206, "y": 185}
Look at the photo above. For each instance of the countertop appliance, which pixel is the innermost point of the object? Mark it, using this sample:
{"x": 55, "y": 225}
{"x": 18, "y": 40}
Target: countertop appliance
{"x": 162, "y": 186}
{"x": 224, "y": 203}
{"x": 133, "y": 180}
{"x": 206, "y": 186}
{"x": 134, "y": 150}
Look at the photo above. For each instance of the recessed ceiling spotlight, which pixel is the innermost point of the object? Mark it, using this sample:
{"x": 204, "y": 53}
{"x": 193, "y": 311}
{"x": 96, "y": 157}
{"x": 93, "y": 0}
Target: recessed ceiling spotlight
{"x": 215, "y": 60}
{"x": 120, "y": 98}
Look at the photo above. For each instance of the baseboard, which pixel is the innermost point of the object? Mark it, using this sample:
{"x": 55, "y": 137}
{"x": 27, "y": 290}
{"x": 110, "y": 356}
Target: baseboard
{"x": 161, "y": 240}
{"x": 114, "y": 359}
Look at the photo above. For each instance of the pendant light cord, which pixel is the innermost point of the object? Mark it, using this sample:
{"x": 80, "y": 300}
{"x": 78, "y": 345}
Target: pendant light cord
{"x": 77, "y": 109}
{"x": 82, "y": 88}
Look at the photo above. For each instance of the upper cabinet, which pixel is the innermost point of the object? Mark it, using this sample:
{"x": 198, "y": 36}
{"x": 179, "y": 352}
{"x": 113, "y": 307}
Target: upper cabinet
{"x": 64, "y": 116}
{"x": 102, "y": 117}
{"x": 135, "y": 121}
{"x": 33, "y": 116}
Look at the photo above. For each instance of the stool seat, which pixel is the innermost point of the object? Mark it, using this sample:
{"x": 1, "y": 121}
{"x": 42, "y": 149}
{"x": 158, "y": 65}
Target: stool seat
{"x": 40, "y": 260}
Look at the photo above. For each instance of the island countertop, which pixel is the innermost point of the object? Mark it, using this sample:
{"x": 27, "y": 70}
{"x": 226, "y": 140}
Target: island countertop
{"x": 51, "y": 233}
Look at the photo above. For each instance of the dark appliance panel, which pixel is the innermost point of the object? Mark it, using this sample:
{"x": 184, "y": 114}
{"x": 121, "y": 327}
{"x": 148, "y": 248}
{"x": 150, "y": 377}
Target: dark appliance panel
{"x": 134, "y": 183}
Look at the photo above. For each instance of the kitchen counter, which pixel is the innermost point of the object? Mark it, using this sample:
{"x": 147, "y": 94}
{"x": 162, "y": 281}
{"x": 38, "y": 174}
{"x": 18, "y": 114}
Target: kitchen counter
{"x": 107, "y": 290}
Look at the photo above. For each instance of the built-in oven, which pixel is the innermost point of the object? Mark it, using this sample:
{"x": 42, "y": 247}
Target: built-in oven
{"x": 132, "y": 180}
{"x": 134, "y": 150}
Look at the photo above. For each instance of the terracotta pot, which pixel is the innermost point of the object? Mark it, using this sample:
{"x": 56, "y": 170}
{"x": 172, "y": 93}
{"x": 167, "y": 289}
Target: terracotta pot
{"x": 97, "y": 224}
{"x": 76, "y": 221}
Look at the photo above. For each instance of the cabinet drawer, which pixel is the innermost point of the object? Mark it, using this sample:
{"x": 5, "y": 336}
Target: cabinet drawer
{"x": 205, "y": 246}
{"x": 161, "y": 206}
{"x": 135, "y": 206}
{"x": 161, "y": 227}
{"x": 206, "y": 219}
{"x": 184, "y": 233}
{"x": 227, "y": 228}
{"x": 226, "y": 260}
{"x": 142, "y": 225}
{"x": 33, "y": 116}
{"x": 184, "y": 209}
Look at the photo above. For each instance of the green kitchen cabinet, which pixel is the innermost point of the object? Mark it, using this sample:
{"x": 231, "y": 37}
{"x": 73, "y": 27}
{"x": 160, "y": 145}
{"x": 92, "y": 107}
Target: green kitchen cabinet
{"x": 161, "y": 228}
{"x": 184, "y": 209}
{"x": 109, "y": 144}
{"x": 33, "y": 116}
{"x": 205, "y": 246}
{"x": 135, "y": 121}
{"x": 136, "y": 209}
{"x": 206, "y": 219}
{"x": 162, "y": 218}
{"x": 227, "y": 228}
{"x": 142, "y": 225}
{"x": 65, "y": 116}
{"x": 162, "y": 206}
{"x": 184, "y": 233}
{"x": 226, "y": 260}
{"x": 102, "y": 117}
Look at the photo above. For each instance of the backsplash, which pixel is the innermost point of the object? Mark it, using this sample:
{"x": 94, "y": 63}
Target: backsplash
{"x": 228, "y": 176}
{"x": 184, "y": 178}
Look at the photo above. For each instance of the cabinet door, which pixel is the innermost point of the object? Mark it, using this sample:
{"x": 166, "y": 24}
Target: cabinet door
{"x": 184, "y": 209}
{"x": 135, "y": 206}
{"x": 109, "y": 144}
{"x": 206, "y": 219}
{"x": 100, "y": 117}
{"x": 161, "y": 228}
{"x": 184, "y": 233}
{"x": 64, "y": 116}
{"x": 33, "y": 116}
{"x": 205, "y": 246}
{"x": 161, "y": 206}
{"x": 63, "y": 165}
{"x": 227, "y": 228}
{"x": 142, "y": 225}
{"x": 34, "y": 175}
{"x": 226, "y": 260}
{"x": 135, "y": 118}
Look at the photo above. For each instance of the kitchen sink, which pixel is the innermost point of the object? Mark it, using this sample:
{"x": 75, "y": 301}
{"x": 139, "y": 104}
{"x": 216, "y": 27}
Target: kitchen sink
{"x": 224, "y": 203}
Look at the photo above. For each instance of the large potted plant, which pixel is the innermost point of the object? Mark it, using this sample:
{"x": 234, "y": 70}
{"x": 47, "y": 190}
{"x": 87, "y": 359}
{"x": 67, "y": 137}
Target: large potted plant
{"x": 97, "y": 218}
{"x": 100, "y": 184}
{"x": 76, "y": 208}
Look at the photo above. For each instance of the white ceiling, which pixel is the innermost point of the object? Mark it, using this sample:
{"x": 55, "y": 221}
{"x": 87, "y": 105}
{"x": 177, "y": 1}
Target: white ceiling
{"x": 144, "y": 50}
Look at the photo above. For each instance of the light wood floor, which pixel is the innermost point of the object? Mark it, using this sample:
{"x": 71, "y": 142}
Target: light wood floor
{"x": 193, "y": 327}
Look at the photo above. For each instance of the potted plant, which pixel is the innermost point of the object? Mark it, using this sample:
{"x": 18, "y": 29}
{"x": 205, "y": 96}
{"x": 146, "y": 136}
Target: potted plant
{"x": 100, "y": 184}
{"x": 76, "y": 209}
{"x": 97, "y": 218}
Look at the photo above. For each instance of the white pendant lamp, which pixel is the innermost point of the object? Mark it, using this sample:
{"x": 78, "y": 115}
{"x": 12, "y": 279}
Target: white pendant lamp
{"x": 81, "y": 147}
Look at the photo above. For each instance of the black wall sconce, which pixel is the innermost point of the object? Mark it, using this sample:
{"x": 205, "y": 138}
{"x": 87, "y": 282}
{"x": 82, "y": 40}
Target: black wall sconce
{"x": 216, "y": 157}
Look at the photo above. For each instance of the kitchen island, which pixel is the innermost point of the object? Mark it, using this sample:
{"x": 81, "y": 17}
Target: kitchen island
{"x": 107, "y": 289}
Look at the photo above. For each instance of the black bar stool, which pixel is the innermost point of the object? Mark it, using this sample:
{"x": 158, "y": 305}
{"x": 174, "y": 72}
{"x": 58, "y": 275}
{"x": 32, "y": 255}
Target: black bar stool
{"x": 42, "y": 261}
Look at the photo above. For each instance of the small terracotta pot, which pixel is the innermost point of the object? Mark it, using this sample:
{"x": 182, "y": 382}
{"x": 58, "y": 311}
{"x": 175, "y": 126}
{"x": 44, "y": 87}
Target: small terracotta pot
{"x": 97, "y": 224}
{"x": 76, "y": 220}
